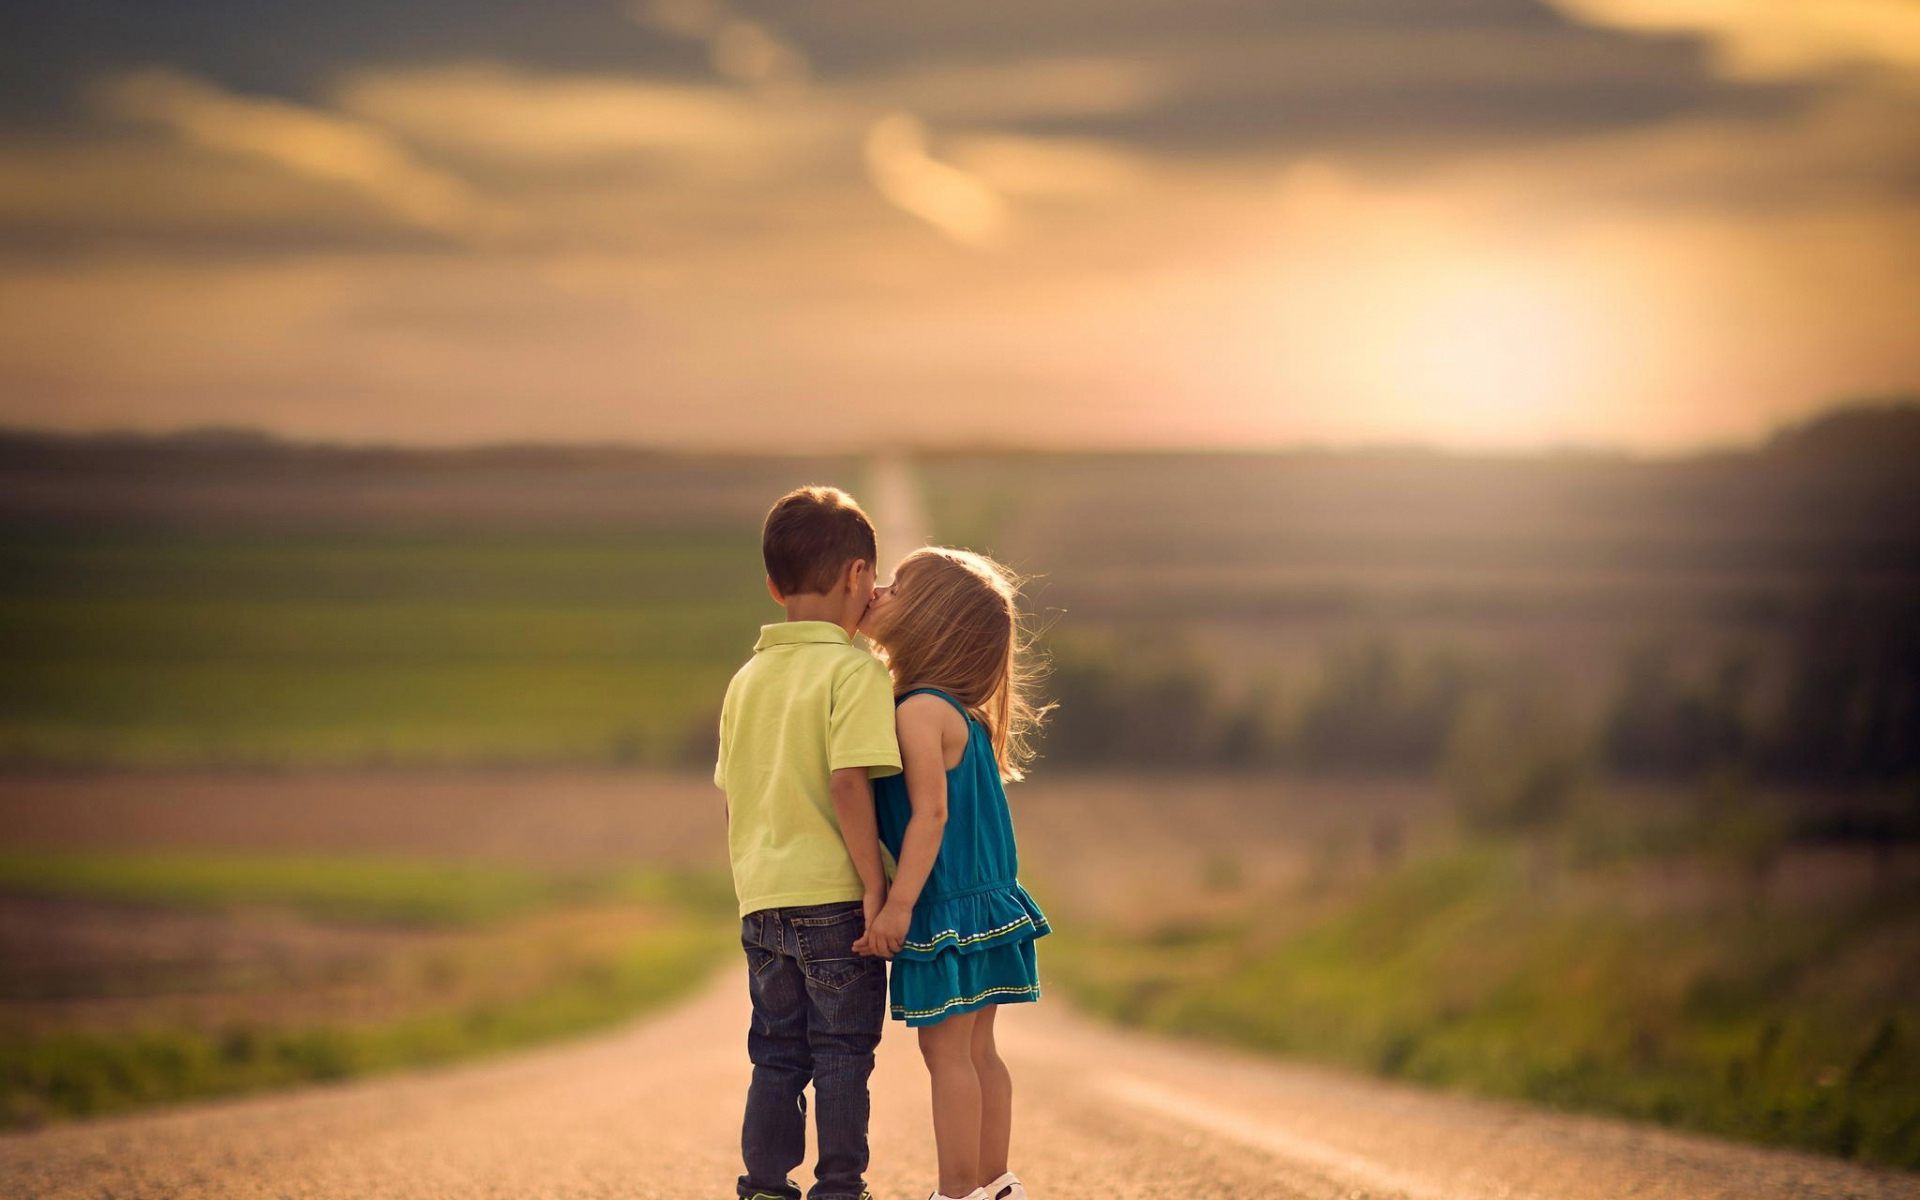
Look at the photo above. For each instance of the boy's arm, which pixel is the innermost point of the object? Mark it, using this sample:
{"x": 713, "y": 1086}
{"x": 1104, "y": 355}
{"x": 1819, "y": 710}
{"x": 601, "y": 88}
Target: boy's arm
{"x": 920, "y": 748}
{"x": 860, "y": 745}
{"x": 853, "y": 805}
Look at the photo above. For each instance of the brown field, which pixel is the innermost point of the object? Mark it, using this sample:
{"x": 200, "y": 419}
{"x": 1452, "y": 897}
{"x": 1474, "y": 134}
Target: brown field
{"x": 585, "y": 818}
{"x": 79, "y": 964}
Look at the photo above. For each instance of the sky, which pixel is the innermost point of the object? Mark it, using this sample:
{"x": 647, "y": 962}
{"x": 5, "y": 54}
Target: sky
{"x": 1488, "y": 224}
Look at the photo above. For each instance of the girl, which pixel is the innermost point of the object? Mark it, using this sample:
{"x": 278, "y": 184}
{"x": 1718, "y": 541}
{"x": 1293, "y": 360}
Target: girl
{"x": 957, "y": 923}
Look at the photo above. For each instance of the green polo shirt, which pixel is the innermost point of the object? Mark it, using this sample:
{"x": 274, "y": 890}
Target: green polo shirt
{"x": 807, "y": 704}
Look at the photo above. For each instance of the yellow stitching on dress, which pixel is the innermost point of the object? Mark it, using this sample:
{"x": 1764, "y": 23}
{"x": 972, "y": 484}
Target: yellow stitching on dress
{"x": 901, "y": 1010}
{"x": 1009, "y": 927}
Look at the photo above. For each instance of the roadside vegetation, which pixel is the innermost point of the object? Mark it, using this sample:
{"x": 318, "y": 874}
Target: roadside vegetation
{"x": 344, "y": 967}
{"x": 1654, "y": 987}
{"x": 1694, "y": 900}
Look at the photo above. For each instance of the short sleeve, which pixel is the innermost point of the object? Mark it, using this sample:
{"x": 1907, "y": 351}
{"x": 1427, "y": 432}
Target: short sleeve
{"x": 860, "y": 728}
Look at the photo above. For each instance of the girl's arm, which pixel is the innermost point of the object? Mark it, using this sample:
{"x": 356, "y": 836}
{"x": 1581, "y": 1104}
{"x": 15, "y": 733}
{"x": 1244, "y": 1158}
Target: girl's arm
{"x": 923, "y": 761}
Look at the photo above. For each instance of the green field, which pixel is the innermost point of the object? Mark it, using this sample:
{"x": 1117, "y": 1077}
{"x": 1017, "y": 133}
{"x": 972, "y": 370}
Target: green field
{"x": 305, "y": 649}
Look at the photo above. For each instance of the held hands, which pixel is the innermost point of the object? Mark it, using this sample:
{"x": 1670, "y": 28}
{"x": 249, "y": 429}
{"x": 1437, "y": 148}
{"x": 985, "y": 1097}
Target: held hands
{"x": 871, "y": 903}
{"x": 886, "y": 932}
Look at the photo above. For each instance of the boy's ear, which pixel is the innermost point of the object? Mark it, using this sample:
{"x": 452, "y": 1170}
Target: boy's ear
{"x": 773, "y": 590}
{"x": 855, "y": 570}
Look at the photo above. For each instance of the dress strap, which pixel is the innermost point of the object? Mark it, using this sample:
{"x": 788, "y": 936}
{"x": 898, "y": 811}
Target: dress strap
{"x": 944, "y": 696}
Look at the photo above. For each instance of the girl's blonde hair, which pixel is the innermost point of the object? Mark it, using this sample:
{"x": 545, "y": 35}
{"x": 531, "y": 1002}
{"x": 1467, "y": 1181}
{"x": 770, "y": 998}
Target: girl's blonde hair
{"x": 955, "y": 625}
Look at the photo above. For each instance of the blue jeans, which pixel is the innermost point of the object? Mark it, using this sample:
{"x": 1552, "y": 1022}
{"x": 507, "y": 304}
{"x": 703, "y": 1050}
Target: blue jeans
{"x": 817, "y": 1012}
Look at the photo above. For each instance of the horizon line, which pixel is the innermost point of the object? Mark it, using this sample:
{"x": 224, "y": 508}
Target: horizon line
{"x": 244, "y": 434}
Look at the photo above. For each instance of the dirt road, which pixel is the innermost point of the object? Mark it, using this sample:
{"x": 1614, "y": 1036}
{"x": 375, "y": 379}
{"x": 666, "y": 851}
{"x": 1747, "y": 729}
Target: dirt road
{"x": 650, "y": 1112}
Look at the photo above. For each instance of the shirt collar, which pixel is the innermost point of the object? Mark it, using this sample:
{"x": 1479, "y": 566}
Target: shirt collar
{"x": 788, "y": 633}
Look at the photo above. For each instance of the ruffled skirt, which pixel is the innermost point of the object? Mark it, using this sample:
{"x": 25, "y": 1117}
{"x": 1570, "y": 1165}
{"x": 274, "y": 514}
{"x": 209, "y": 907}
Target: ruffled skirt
{"x": 966, "y": 951}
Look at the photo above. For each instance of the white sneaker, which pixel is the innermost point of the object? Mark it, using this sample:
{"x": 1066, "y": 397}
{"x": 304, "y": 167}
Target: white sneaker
{"x": 975, "y": 1194}
{"x": 1007, "y": 1187}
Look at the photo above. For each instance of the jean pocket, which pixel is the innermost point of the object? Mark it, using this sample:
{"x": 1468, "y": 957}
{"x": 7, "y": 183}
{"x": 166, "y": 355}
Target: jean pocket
{"x": 759, "y": 958}
{"x": 826, "y": 948}
{"x": 839, "y": 974}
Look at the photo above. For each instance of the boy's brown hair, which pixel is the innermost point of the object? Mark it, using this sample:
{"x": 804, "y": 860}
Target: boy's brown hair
{"x": 811, "y": 534}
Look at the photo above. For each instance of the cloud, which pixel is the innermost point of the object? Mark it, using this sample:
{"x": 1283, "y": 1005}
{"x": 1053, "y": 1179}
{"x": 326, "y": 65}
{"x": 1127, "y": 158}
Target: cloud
{"x": 122, "y": 191}
{"x": 741, "y": 50}
{"x": 1049, "y": 168}
{"x": 1849, "y": 150}
{"x": 1226, "y": 221}
{"x": 898, "y": 162}
{"x": 303, "y": 141}
{"x": 1019, "y": 88}
{"x": 557, "y": 119}
{"x": 1775, "y": 39}
{"x": 951, "y": 200}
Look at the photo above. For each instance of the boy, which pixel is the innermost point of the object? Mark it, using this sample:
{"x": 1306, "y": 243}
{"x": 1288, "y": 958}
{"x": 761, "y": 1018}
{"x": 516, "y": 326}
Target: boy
{"x": 806, "y": 722}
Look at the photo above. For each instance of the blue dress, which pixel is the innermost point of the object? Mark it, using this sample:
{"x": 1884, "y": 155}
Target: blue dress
{"x": 971, "y": 940}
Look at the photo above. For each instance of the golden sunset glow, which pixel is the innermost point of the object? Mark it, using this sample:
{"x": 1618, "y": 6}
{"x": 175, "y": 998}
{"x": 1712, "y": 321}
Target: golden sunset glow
{"x": 1649, "y": 223}
{"x": 1764, "y": 38}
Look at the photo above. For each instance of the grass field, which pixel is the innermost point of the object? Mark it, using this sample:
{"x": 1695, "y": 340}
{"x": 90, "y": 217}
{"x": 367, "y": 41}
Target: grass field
{"x": 298, "y": 650}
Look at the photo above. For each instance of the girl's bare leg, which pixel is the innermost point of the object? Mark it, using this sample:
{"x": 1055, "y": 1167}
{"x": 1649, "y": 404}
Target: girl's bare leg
{"x": 996, "y": 1098}
{"x": 948, "y": 1049}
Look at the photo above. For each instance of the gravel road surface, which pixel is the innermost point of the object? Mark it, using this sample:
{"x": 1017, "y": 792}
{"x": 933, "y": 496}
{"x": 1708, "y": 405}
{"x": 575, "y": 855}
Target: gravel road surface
{"x": 651, "y": 1112}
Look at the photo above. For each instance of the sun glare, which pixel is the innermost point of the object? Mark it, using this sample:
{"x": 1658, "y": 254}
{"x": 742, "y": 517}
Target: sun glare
{"x": 1495, "y": 345}
{"x": 1459, "y": 344}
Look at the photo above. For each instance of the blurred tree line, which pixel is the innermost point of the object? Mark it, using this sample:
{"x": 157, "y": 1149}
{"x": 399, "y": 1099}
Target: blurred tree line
{"x": 1837, "y": 710}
